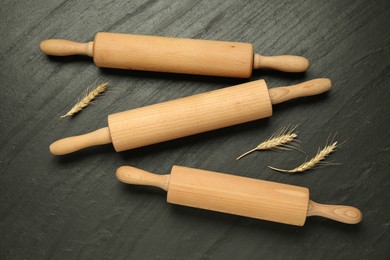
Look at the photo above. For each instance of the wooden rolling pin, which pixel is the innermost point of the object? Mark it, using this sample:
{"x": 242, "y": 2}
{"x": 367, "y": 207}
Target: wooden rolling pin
{"x": 238, "y": 195}
{"x": 190, "y": 115}
{"x": 189, "y": 56}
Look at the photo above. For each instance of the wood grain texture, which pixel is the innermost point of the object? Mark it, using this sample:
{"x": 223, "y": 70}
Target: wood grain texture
{"x": 238, "y": 195}
{"x": 74, "y": 208}
{"x": 242, "y": 196}
{"x": 344, "y": 214}
{"x": 190, "y": 115}
{"x": 174, "y": 55}
{"x": 168, "y": 54}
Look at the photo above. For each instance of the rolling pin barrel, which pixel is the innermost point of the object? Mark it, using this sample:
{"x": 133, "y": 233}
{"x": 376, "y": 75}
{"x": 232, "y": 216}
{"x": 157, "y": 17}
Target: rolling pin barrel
{"x": 239, "y": 195}
{"x": 190, "y": 115}
{"x": 177, "y": 55}
{"x": 165, "y": 54}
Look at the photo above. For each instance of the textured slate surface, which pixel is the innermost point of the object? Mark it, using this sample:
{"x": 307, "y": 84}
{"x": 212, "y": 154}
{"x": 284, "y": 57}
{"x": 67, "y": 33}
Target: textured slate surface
{"x": 72, "y": 207}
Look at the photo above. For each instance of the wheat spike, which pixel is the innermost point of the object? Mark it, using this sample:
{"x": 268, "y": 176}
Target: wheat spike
{"x": 86, "y": 100}
{"x": 279, "y": 140}
{"x": 316, "y": 160}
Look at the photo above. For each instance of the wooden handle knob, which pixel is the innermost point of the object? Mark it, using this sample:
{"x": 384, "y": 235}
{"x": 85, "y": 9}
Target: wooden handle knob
{"x": 308, "y": 88}
{"x": 286, "y": 63}
{"x": 59, "y": 47}
{"x": 75, "y": 143}
{"x": 344, "y": 214}
{"x": 132, "y": 175}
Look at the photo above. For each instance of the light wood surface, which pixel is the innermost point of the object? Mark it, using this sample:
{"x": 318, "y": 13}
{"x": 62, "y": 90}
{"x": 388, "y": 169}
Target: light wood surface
{"x": 135, "y": 176}
{"x": 345, "y": 214}
{"x": 58, "y": 47}
{"x": 75, "y": 143}
{"x": 237, "y": 195}
{"x": 190, "y": 115}
{"x": 166, "y": 54}
{"x": 178, "y": 55}
{"x": 286, "y": 63}
{"x": 304, "y": 89}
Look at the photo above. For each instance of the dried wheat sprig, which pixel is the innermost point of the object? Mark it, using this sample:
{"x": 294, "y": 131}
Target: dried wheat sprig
{"x": 316, "y": 160}
{"x": 86, "y": 100}
{"x": 279, "y": 140}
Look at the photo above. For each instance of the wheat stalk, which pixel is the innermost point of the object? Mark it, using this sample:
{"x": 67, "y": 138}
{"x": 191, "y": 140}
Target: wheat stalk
{"x": 86, "y": 100}
{"x": 316, "y": 160}
{"x": 279, "y": 140}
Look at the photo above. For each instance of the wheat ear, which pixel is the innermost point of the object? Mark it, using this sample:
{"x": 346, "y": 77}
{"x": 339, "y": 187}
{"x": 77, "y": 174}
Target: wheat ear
{"x": 279, "y": 140}
{"x": 86, "y": 100}
{"x": 316, "y": 160}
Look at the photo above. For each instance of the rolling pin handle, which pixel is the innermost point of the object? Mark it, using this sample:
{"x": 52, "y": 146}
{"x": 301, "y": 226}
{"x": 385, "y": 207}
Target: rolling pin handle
{"x": 132, "y": 175}
{"x": 75, "y": 143}
{"x": 344, "y": 214}
{"x": 286, "y": 63}
{"x": 307, "y": 88}
{"x": 58, "y": 47}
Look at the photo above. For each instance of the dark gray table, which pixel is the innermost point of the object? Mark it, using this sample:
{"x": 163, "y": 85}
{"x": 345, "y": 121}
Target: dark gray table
{"x": 72, "y": 207}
